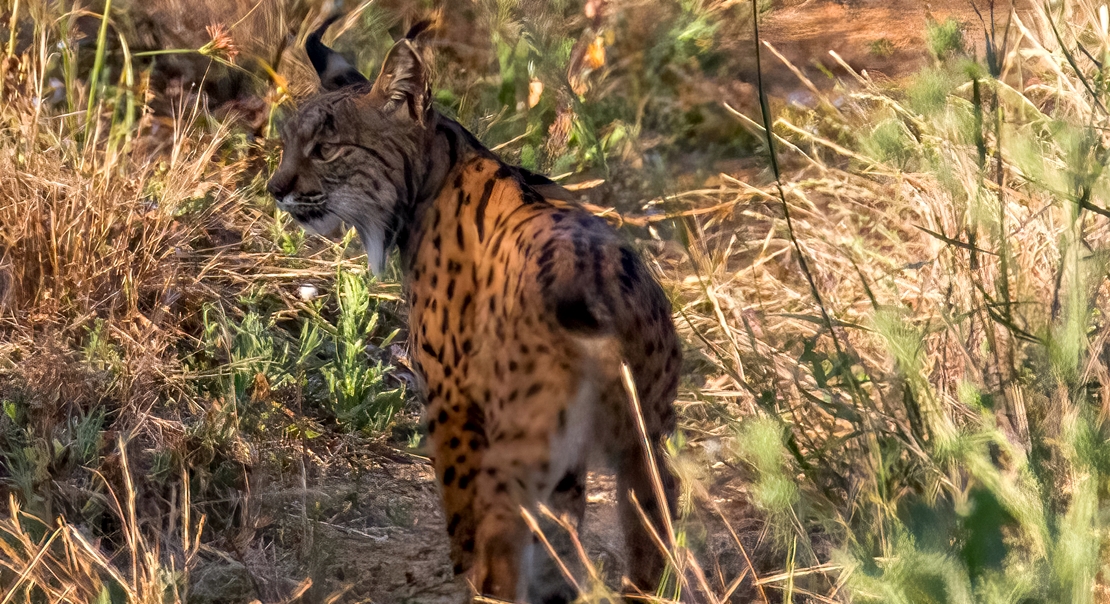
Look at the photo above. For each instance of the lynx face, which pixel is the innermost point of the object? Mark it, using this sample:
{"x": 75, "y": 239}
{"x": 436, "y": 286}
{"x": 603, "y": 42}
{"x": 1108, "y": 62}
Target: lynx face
{"x": 348, "y": 154}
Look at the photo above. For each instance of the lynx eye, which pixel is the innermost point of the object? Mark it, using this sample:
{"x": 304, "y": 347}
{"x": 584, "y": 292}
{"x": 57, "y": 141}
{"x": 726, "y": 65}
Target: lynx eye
{"x": 326, "y": 152}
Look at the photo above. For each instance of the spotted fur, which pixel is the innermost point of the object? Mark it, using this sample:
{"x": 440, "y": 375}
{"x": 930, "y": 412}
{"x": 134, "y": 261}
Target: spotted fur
{"x": 522, "y": 306}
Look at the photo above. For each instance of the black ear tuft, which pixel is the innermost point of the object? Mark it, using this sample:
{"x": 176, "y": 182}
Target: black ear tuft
{"x": 314, "y": 46}
{"x": 418, "y": 28}
{"x": 334, "y": 71}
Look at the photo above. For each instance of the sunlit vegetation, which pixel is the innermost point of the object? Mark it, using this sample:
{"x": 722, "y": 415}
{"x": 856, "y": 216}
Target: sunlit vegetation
{"x": 896, "y": 372}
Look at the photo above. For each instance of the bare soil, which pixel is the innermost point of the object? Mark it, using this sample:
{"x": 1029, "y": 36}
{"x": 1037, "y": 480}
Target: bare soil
{"x": 374, "y": 532}
{"x": 885, "y": 38}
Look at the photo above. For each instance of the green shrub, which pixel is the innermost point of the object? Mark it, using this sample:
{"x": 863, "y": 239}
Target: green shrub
{"x": 944, "y": 38}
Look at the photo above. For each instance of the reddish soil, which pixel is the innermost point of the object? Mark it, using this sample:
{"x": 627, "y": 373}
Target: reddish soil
{"x": 884, "y": 37}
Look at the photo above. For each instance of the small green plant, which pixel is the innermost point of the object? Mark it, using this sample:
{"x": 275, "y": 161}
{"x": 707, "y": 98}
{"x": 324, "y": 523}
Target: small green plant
{"x": 927, "y": 93}
{"x": 354, "y": 388}
{"x": 945, "y": 39}
{"x": 289, "y": 240}
{"x": 890, "y": 142}
{"x": 881, "y": 48}
{"x": 359, "y": 395}
{"x": 759, "y": 443}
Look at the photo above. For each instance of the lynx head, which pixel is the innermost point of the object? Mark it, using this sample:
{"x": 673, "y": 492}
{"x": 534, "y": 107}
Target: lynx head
{"x": 348, "y": 153}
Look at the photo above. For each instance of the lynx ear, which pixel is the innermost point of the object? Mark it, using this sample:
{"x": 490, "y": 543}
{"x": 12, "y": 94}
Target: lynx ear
{"x": 403, "y": 81}
{"x": 334, "y": 71}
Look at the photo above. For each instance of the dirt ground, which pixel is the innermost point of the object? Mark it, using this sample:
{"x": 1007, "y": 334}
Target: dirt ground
{"x": 884, "y": 37}
{"x": 378, "y": 534}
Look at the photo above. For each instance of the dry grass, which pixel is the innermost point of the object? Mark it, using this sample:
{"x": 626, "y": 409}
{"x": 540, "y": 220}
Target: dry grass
{"x": 924, "y": 338}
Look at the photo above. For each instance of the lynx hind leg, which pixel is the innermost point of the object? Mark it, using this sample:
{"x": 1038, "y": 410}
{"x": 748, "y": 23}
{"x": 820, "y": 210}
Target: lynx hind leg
{"x": 634, "y": 475}
{"x": 511, "y": 562}
{"x": 646, "y": 561}
{"x": 506, "y": 484}
{"x": 573, "y": 438}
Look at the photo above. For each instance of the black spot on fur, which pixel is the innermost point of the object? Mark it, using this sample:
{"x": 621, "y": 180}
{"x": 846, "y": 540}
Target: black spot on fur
{"x": 547, "y": 255}
{"x": 567, "y": 483}
{"x": 495, "y": 243}
{"x": 452, "y": 148}
{"x": 480, "y": 212}
{"x": 575, "y": 315}
{"x": 449, "y": 476}
{"x": 426, "y": 347}
{"x": 529, "y": 195}
{"x": 474, "y": 427}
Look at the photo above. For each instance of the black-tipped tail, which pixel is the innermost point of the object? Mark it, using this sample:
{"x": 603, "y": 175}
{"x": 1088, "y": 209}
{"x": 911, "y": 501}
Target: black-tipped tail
{"x": 418, "y": 28}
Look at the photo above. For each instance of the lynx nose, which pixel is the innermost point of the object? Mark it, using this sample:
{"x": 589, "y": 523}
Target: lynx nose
{"x": 280, "y": 185}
